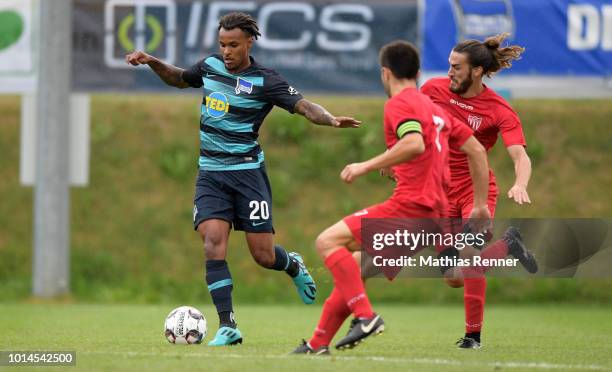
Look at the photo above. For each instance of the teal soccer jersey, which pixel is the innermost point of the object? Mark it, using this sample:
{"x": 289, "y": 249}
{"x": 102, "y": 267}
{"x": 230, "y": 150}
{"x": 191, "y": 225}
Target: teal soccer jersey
{"x": 233, "y": 109}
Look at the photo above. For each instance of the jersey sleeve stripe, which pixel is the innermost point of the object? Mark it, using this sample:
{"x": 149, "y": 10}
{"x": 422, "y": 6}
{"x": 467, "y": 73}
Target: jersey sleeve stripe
{"x": 408, "y": 127}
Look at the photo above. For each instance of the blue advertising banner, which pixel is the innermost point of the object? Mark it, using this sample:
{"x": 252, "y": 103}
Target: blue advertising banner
{"x": 561, "y": 37}
{"x": 327, "y": 47}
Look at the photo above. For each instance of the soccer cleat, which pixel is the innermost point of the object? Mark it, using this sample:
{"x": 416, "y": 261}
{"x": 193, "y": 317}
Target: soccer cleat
{"x": 354, "y": 322}
{"x": 305, "y": 284}
{"x": 305, "y": 348}
{"x": 517, "y": 249}
{"x": 360, "y": 329}
{"x": 467, "y": 343}
{"x": 226, "y": 336}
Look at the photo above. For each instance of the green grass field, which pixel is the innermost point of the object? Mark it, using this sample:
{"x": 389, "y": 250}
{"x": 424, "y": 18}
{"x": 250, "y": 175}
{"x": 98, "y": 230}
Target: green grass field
{"x": 131, "y": 233}
{"x": 129, "y": 337}
{"x": 132, "y": 242}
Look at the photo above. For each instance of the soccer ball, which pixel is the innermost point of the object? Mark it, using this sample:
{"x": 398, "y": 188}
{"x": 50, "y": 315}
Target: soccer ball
{"x": 185, "y": 325}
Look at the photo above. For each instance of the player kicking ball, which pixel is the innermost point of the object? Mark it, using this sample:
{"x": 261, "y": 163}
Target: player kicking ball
{"x": 417, "y": 137}
{"x": 467, "y": 99}
{"x": 232, "y": 187}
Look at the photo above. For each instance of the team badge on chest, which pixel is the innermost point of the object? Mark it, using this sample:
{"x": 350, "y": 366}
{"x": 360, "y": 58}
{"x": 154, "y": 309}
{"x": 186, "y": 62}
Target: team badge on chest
{"x": 474, "y": 121}
{"x": 243, "y": 85}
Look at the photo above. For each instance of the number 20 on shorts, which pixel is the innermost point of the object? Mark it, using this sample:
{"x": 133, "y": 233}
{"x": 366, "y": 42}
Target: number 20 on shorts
{"x": 259, "y": 210}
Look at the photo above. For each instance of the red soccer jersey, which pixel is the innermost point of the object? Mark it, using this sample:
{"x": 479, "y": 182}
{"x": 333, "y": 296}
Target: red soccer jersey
{"x": 487, "y": 115}
{"x": 457, "y": 135}
{"x": 422, "y": 180}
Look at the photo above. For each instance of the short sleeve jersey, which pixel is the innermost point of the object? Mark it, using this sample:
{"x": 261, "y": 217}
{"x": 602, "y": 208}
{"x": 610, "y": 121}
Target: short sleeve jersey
{"x": 458, "y": 134}
{"x": 233, "y": 109}
{"x": 487, "y": 115}
{"x": 422, "y": 180}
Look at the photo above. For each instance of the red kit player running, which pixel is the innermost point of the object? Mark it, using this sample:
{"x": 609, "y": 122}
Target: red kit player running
{"x": 464, "y": 96}
{"x": 417, "y": 136}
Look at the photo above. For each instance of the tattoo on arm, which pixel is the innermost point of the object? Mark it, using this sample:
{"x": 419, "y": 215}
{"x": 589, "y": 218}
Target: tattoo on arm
{"x": 317, "y": 114}
{"x": 170, "y": 74}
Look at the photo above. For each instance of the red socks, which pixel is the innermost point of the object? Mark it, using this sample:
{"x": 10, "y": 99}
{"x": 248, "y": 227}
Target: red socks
{"x": 496, "y": 250}
{"x": 475, "y": 287}
{"x": 347, "y": 279}
{"x": 348, "y": 296}
{"x": 334, "y": 313}
{"x": 474, "y": 290}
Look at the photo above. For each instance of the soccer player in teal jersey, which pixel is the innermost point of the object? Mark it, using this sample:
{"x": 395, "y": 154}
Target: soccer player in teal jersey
{"x": 232, "y": 188}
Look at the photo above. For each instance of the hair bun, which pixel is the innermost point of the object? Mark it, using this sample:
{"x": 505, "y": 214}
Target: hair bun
{"x": 492, "y": 43}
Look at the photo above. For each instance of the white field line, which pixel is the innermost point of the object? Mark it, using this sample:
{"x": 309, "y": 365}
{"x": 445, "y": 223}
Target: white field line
{"x": 426, "y": 361}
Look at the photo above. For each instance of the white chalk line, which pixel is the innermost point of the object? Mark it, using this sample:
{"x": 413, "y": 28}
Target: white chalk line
{"x": 395, "y": 360}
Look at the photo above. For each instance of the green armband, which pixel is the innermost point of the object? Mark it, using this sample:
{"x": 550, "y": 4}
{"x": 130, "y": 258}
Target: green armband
{"x": 408, "y": 127}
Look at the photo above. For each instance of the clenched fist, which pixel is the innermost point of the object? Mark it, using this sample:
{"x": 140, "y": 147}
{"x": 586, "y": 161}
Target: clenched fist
{"x": 138, "y": 58}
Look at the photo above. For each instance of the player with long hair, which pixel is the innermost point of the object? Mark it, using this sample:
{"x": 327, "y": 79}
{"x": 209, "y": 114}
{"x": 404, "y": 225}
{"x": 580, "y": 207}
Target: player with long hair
{"x": 466, "y": 98}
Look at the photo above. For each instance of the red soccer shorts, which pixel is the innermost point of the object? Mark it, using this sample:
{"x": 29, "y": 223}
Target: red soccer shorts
{"x": 396, "y": 213}
{"x": 388, "y": 209}
{"x": 461, "y": 199}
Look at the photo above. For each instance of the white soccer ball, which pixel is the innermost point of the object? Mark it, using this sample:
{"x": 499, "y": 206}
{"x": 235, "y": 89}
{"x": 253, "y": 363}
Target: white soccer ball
{"x": 185, "y": 325}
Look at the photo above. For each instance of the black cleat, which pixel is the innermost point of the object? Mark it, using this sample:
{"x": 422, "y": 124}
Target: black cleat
{"x": 354, "y": 322}
{"x": 360, "y": 329}
{"x": 467, "y": 343}
{"x": 517, "y": 249}
{"x": 305, "y": 348}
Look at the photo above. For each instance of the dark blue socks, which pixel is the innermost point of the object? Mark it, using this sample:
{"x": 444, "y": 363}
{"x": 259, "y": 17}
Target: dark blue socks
{"x": 220, "y": 286}
{"x": 283, "y": 262}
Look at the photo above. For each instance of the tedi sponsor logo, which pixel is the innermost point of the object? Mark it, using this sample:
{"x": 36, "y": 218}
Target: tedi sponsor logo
{"x": 462, "y": 105}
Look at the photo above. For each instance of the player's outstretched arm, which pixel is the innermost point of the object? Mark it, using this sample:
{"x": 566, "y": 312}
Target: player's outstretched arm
{"x": 317, "y": 114}
{"x": 387, "y": 172}
{"x": 522, "y": 169}
{"x": 410, "y": 146}
{"x": 479, "y": 171}
{"x": 170, "y": 74}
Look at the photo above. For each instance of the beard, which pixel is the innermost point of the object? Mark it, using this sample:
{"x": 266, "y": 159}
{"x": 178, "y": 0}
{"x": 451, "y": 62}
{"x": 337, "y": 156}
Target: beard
{"x": 463, "y": 86}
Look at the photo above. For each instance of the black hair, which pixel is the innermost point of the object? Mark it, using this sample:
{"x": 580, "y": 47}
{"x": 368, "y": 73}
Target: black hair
{"x": 242, "y": 21}
{"x": 402, "y": 58}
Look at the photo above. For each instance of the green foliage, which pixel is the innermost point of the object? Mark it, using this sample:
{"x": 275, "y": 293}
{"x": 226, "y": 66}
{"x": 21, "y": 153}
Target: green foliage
{"x": 177, "y": 162}
{"x": 132, "y": 235}
{"x": 536, "y": 151}
{"x": 288, "y": 130}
